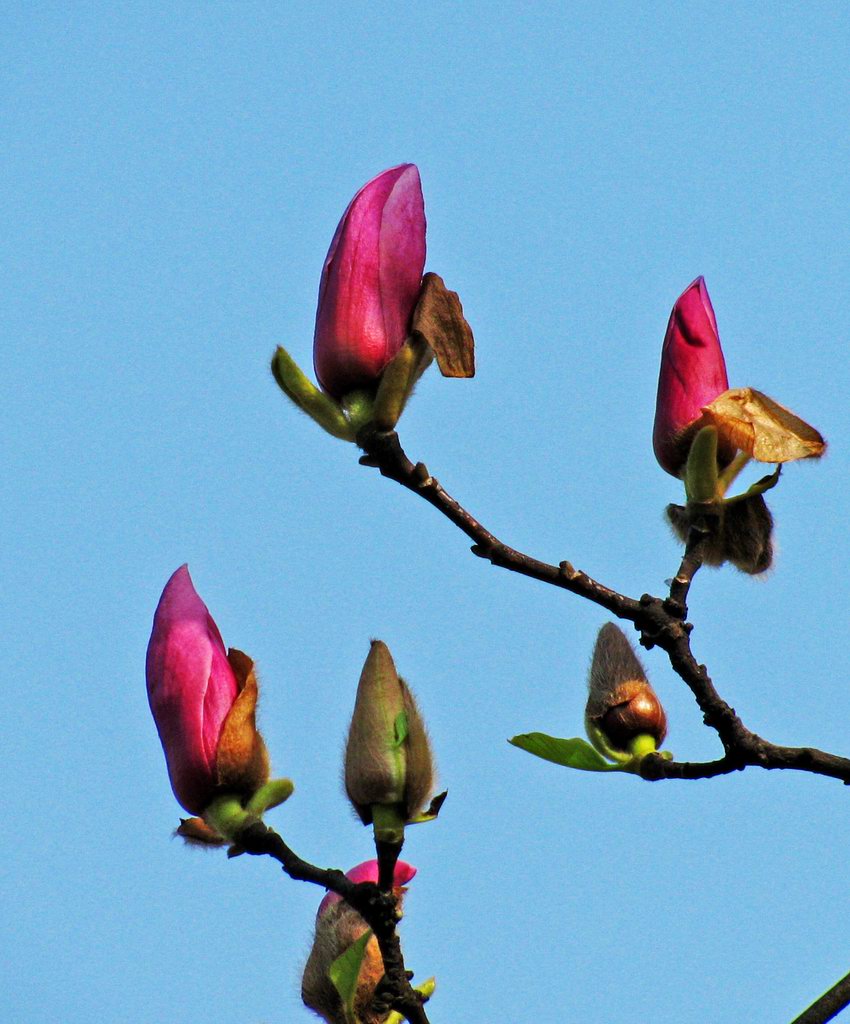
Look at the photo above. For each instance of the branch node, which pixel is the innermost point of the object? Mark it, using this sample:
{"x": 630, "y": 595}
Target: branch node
{"x": 678, "y": 609}
{"x": 421, "y": 476}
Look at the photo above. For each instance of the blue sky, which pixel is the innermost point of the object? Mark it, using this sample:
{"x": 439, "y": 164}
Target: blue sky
{"x": 172, "y": 177}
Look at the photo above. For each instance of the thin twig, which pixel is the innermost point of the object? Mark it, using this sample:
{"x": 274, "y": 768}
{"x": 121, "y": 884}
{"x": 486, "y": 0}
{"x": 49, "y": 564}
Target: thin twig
{"x": 660, "y": 622}
{"x": 829, "y": 1005}
{"x": 680, "y": 585}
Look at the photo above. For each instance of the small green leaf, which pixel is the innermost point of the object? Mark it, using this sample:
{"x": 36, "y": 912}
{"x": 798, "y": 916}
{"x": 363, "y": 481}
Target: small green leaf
{"x": 345, "y": 971}
{"x": 426, "y": 990}
{"x": 320, "y": 407}
{"x": 433, "y": 810}
{"x": 572, "y": 753}
{"x": 401, "y": 728}
{"x": 272, "y": 794}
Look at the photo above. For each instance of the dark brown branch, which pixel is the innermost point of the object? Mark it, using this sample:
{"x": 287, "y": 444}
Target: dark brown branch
{"x": 829, "y": 1005}
{"x": 680, "y": 585}
{"x": 384, "y": 452}
{"x": 377, "y": 908}
{"x": 660, "y": 622}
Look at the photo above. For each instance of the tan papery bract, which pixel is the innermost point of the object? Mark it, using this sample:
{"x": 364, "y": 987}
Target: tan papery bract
{"x": 242, "y": 761}
{"x": 438, "y": 318}
{"x": 761, "y": 427}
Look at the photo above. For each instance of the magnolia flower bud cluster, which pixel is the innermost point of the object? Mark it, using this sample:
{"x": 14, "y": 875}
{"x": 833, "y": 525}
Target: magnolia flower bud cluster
{"x": 705, "y": 433}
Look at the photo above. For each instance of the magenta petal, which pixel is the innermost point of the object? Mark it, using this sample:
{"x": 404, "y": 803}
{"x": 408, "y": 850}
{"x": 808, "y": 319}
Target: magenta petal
{"x": 191, "y": 688}
{"x": 368, "y": 872}
{"x": 370, "y": 281}
{"x": 693, "y": 373}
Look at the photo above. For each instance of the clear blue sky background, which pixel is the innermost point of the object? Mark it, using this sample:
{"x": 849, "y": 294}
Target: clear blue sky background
{"x": 172, "y": 175}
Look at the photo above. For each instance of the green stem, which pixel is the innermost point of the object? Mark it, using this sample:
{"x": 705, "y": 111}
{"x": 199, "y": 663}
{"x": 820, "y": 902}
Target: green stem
{"x": 642, "y": 745}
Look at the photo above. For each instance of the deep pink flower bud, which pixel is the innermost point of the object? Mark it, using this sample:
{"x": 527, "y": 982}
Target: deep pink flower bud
{"x": 338, "y": 925}
{"x": 693, "y": 373}
{"x": 370, "y": 281}
{"x": 368, "y": 872}
{"x": 192, "y": 688}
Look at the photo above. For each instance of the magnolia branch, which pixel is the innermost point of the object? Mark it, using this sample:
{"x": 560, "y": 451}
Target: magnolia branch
{"x": 660, "y": 622}
{"x": 377, "y": 908}
{"x": 830, "y": 1004}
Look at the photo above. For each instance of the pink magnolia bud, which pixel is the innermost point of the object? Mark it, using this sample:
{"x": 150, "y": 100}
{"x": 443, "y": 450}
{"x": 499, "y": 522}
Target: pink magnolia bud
{"x": 370, "y": 281}
{"x": 368, "y": 872}
{"x": 338, "y": 925}
{"x": 203, "y": 701}
{"x": 693, "y": 373}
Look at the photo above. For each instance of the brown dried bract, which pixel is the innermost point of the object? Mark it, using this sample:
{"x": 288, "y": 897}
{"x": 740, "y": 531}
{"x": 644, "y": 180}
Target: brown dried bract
{"x": 439, "y": 319}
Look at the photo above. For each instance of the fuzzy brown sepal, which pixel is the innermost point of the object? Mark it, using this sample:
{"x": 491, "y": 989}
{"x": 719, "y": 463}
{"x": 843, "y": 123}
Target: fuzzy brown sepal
{"x": 419, "y": 776}
{"x": 196, "y": 832}
{"x": 740, "y": 532}
{"x": 242, "y": 761}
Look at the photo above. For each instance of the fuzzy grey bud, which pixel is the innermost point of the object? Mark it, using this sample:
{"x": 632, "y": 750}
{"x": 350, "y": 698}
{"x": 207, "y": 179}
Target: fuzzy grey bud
{"x": 388, "y": 757}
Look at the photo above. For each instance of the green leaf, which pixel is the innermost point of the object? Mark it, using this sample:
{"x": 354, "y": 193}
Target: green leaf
{"x": 345, "y": 971}
{"x": 572, "y": 753}
{"x": 294, "y": 383}
{"x": 401, "y": 728}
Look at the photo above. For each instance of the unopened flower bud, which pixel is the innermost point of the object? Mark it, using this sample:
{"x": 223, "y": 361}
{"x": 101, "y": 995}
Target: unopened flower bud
{"x": 693, "y": 373}
{"x": 623, "y": 716}
{"x": 203, "y": 699}
{"x": 338, "y": 925}
{"x": 370, "y": 282}
{"x": 388, "y": 759}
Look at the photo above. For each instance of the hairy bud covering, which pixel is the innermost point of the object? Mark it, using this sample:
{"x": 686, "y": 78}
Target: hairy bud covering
{"x": 741, "y": 532}
{"x": 388, "y": 757}
{"x": 621, "y": 705}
